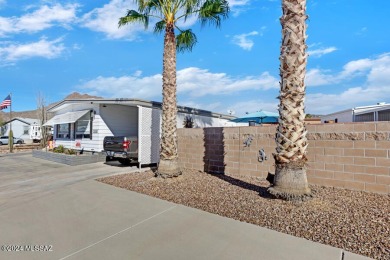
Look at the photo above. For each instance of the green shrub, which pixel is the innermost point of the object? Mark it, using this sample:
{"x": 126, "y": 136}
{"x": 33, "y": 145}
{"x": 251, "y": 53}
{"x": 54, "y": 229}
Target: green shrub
{"x": 59, "y": 149}
{"x": 70, "y": 151}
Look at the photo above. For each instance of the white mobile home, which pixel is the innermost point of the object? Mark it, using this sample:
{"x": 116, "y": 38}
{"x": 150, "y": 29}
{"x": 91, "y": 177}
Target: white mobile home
{"x": 83, "y": 123}
{"x": 21, "y": 128}
{"x": 378, "y": 112}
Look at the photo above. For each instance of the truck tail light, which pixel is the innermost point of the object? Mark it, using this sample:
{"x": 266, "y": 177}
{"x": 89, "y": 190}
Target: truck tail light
{"x": 126, "y": 144}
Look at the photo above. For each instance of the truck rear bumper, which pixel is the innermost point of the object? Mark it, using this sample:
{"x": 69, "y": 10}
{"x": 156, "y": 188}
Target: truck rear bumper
{"x": 116, "y": 154}
{"x": 123, "y": 155}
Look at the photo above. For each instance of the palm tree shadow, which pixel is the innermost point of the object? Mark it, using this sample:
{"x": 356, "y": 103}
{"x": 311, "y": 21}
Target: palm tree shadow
{"x": 262, "y": 191}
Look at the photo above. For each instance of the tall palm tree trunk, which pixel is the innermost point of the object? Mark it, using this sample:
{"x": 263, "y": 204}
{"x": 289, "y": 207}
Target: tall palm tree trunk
{"x": 168, "y": 166}
{"x": 290, "y": 181}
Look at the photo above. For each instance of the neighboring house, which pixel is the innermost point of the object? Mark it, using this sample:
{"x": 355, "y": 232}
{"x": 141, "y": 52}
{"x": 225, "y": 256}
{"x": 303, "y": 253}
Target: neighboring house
{"x": 21, "y": 127}
{"x": 83, "y": 123}
{"x": 378, "y": 112}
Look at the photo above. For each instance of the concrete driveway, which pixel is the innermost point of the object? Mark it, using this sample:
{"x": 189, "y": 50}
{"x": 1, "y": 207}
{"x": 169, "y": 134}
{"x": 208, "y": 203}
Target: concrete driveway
{"x": 23, "y": 177}
{"x": 52, "y": 211}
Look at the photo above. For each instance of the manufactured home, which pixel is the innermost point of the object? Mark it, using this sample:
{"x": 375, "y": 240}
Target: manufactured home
{"x": 21, "y": 128}
{"x": 374, "y": 113}
{"x": 82, "y": 124}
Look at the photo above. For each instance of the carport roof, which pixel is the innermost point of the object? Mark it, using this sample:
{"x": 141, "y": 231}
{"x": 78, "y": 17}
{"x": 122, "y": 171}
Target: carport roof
{"x": 135, "y": 102}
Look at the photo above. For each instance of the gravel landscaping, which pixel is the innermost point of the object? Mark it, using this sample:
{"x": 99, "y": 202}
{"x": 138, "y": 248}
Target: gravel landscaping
{"x": 355, "y": 221}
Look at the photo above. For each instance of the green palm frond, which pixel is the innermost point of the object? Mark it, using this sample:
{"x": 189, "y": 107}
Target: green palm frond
{"x": 171, "y": 11}
{"x": 149, "y": 6}
{"x": 134, "y": 17}
{"x": 190, "y": 7}
{"x": 159, "y": 26}
{"x": 185, "y": 41}
{"x": 142, "y": 4}
{"x": 212, "y": 11}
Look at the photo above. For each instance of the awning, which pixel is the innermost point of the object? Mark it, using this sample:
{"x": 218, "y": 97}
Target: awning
{"x": 69, "y": 117}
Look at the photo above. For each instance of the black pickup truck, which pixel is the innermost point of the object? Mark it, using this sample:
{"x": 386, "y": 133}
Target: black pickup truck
{"x": 122, "y": 148}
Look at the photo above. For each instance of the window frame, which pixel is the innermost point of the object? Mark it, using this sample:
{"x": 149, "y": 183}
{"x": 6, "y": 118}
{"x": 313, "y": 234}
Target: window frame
{"x": 63, "y": 135}
{"x": 86, "y": 133}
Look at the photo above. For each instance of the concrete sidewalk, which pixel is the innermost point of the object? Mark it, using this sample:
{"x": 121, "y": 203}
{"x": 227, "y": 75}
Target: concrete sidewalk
{"x": 92, "y": 220}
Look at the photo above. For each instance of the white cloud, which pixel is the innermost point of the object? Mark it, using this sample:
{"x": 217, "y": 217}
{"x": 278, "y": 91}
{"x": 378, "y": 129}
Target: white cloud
{"x": 195, "y": 83}
{"x": 192, "y": 81}
{"x": 375, "y": 88}
{"x": 238, "y": 6}
{"x": 43, "y": 18}
{"x": 126, "y": 86}
{"x": 238, "y": 3}
{"x": 356, "y": 68}
{"x": 105, "y": 20}
{"x": 320, "y": 52}
{"x": 43, "y": 48}
{"x": 362, "y": 32}
{"x": 351, "y": 70}
{"x": 317, "y": 77}
{"x": 243, "y": 41}
{"x": 200, "y": 82}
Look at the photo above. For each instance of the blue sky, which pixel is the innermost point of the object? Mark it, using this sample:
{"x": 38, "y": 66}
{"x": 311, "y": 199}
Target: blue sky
{"x": 58, "y": 47}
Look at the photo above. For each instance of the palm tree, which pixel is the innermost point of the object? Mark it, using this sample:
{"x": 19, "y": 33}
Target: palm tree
{"x": 290, "y": 181}
{"x": 167, "y": 13}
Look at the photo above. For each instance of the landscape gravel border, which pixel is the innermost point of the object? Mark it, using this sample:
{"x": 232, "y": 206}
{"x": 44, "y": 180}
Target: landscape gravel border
{"x": 355, "y": 221}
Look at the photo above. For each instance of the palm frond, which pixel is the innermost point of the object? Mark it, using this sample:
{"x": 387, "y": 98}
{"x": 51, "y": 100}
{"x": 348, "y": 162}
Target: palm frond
{"x": 142, "y": 5}
{"x": 150, "y": 6}
{"x": 185, "y": 41}
{"x": 159, "y": 26}
{"x": 134, "y": 17}
{"x": 213, "y": 11}
{"x": 190, "y": 7}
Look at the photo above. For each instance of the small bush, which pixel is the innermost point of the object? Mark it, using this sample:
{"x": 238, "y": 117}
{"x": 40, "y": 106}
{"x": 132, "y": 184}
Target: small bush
{"x": 70, "y": 151}
{"x": 59, "y": 149}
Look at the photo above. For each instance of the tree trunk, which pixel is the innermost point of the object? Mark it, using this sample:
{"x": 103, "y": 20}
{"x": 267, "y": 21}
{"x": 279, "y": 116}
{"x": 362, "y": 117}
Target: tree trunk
{"x": 168, "y": 166}
{"x": 290, "y": 181}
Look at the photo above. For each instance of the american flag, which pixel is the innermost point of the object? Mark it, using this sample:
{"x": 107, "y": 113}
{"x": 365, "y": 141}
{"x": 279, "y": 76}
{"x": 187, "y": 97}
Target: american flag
{"x": 6, "y": 102}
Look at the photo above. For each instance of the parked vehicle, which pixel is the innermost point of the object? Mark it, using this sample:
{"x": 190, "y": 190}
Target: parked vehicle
{"x": 122, "y": 148}
{"x": 35, "y": 133}
{"x": 5, "y": 140}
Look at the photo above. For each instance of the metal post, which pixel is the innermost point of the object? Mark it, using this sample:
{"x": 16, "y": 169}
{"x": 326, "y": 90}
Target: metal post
{"x": 10, "y": 113}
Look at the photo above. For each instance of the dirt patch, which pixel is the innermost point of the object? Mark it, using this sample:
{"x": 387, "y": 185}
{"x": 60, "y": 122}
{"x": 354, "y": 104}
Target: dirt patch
{"x": 4, "y": 149}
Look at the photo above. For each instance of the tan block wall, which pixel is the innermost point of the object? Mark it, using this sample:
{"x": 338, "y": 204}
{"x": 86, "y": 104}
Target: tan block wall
{"x": 351, "y": 155}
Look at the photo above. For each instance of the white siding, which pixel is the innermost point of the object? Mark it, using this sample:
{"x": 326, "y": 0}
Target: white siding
{"x": 18, "y": 128}
{"x": 109, "y": 120}
{"x": 342, "y": 116}
{"x": 112, "y": 119}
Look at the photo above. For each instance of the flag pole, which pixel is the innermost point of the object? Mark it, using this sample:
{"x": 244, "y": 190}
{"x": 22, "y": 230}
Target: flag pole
{"x": 10, "y": 112}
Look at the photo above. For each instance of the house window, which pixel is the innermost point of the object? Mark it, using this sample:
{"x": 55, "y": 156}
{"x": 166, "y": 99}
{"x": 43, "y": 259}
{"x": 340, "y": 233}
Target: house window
{"x": 25, "y": 129}
{"x": 83, "y": 127}
{"x": 63, "y": 131}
